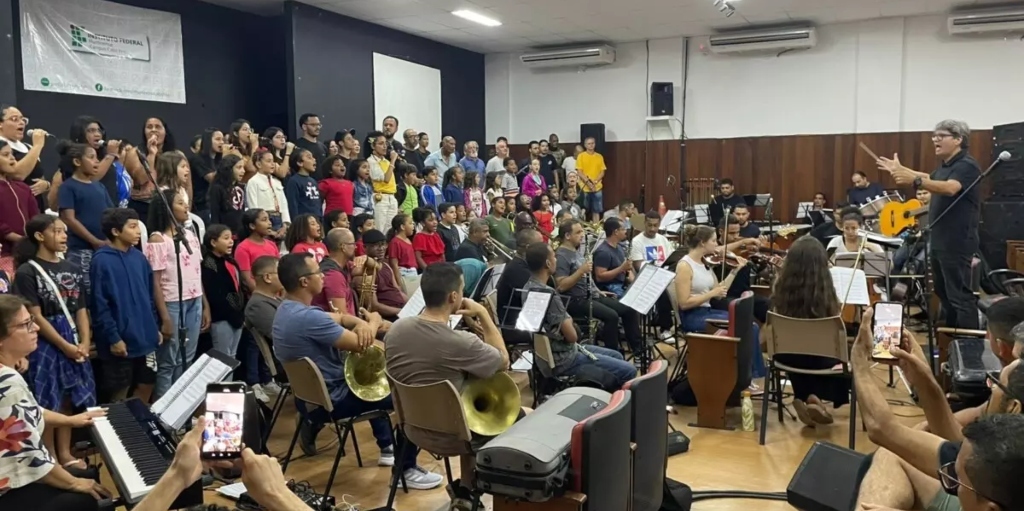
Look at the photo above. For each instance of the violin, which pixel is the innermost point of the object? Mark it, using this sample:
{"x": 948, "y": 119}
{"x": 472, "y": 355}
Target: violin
{"x": 715, "y": 259}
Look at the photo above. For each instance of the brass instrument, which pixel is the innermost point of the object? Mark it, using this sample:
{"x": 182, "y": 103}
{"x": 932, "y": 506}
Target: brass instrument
{"x": 368, "y": 286}
{"x": 491, "y": 404}
{"x": 497, "y": 251}
{"x": 364, "y": 374}
{"x": 588, "y": 246}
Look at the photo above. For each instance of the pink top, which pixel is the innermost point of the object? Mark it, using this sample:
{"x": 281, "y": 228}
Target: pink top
{"x": 318, "y": 250}
{"x": 476, "y": 202}
{"x": 248, "y": 252}
{"x": 534, "y": 185}
{"x": 160, "y": 255}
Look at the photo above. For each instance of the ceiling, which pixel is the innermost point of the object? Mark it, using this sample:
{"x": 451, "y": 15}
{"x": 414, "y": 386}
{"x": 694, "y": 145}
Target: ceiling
{"x": 537, "y": 23}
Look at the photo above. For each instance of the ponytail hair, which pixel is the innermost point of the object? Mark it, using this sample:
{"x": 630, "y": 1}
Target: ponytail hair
{"x": 396, "y": 225}
{"x": 27, "y": 247}
{"x": 694, "y": 235}
{"x": 69, "y": 152}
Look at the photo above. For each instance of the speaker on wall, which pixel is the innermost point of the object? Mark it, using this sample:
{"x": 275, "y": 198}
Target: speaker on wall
{"x": 595, "y": 130}
{"x": 661, "y": 98}
{"x": 1001, "y": 219}
{"x": 1008, "y": 177}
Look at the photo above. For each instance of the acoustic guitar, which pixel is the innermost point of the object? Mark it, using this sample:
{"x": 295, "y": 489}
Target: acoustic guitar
{"x": 899, "y": 216}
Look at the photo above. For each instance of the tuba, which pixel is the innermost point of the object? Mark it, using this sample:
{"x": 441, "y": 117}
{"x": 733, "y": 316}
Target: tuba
{"x": 364, "y": 374}
{"x": 491, "y": 404}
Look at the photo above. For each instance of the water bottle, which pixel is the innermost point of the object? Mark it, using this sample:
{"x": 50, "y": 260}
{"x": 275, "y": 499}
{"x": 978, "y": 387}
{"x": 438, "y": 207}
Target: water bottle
{"x": 748, "y": 411}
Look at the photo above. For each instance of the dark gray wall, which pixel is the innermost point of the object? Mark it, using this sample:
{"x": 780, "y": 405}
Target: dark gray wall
{"x": 8, "y": 83}
{"x": 234, "y": 67}
{"x": 331, "y": 65}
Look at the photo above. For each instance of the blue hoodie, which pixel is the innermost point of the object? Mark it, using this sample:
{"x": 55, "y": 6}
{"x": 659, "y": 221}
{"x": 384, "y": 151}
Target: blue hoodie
{"x": 122, "y": 305}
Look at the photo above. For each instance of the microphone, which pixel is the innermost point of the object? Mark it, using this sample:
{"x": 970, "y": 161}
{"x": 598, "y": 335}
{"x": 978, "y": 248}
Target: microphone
{"x": 29, "y": 133}
{"x": 149, "y": 176}
{"x": 1003, "y": 156}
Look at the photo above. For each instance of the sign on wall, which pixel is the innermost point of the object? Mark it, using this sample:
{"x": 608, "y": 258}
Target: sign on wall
{"x": 98, "y": 48}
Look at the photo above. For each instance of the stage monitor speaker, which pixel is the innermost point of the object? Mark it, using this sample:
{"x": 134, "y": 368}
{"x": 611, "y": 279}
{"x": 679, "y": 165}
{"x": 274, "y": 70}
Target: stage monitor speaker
{"x": 1002, "y": 219}
{"x": 1007, "y": 179}
{"x": 828, "y": 479}
{"x": 661, "y": 98}
{"x": 595, "y": 130}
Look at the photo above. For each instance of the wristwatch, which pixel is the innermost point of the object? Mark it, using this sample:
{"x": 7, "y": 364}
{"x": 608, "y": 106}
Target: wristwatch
{"x": 917, "y": 182}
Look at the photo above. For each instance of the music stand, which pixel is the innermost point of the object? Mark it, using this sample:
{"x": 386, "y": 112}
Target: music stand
{"x": 641, "y": 296}
{"x": 818, "y": 217}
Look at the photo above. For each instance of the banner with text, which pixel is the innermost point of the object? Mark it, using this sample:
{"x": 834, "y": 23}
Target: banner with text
{"x": 98, "y": 48}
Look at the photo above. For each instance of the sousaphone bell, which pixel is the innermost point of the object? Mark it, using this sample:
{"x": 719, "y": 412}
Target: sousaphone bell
{"x": 491, "y": 404}
{"x": 365, "y": 376}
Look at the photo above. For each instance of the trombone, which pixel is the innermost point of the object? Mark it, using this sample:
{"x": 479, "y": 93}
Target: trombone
{"x": 497, "y": 252}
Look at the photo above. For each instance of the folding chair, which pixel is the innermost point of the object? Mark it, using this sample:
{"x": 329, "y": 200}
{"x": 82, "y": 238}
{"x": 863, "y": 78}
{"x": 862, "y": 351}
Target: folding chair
{"x": 268, "y": 358}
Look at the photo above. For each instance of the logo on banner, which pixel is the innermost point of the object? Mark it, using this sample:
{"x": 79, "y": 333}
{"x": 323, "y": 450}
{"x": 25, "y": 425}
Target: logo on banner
{"x": 121, "y": 46}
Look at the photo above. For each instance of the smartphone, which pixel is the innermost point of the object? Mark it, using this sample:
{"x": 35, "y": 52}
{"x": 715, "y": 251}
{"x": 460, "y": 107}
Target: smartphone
{"x": 225, "y": 412}
{"x": 886, "y": 329}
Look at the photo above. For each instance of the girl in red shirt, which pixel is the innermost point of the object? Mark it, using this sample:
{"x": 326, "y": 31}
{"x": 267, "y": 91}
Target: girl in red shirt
{"x": 335, "y": 189}
{"x": 360, "y": 224}
{"x": 305, "y": 235}
{"x": 401, "y": 255}
{"x": 256, "y": 242}
{"x": 542, "y": 213}
{"x": 427, "y": 243}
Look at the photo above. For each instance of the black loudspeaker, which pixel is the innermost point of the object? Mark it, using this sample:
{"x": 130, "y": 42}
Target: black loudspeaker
{"x": 595, "y": 130}
{"x": 828, "y": 479}
{"x": 1008, "y": 177}
{"x": 1001, "y": 219}
{"x": 661, "y": 98}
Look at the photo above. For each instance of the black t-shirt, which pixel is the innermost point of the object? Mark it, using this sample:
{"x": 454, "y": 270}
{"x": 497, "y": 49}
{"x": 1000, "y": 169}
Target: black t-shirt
{"x": 548, "y": 168}
{"x": 450, "y": 237}
{"x": 750, "y": 231}
{"x": 957, "y": 231}
{"x": 397, "y": 147}
{"x": 609, "y": 257}
{"x": 35, "y": 175}
{"x": 67, "y": 276}
{"x": 318, "y": 149}
{"x": 470, "y": 250}
{"x": 515, "y": 276}
{"x": 825, "y": 232}
{"x": 200, "y": 167}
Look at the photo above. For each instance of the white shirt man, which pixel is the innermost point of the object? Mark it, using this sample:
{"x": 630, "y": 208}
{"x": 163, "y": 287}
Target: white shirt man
{"x": 497, "y": 164}
{"x": 649, "y": 246}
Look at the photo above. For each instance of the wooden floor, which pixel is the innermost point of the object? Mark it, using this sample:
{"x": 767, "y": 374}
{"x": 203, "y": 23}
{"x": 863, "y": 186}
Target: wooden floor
{"x": 717, "y": 460}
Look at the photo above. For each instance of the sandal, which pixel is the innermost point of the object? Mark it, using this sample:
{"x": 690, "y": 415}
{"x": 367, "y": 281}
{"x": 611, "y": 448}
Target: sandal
{"x": 819, "y": 414}
{"x": 76, "y": 463}
{"x": 803, "y": 413}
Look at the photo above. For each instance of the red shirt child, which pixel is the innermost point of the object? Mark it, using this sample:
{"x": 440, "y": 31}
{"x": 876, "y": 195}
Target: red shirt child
{"x": 429, "y": 246}
{"x": 401, "y": 250}
{"x": 337, "y": 194}
{"x": 318, "y": 250}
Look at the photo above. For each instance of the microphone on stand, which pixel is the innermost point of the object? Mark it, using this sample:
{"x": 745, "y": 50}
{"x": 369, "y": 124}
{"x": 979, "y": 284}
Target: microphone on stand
{"x": 1003, "y": 156}
{"x": 180, "y": 236}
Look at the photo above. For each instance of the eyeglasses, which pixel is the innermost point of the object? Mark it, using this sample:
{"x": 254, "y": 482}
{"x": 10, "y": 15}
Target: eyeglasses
{"x": 951, "y": 485}
{"x": 18, "y": 120}
{"x": 310, "y": 274}
{"x": 26, "y": 325}
{"x": 940, "y": 136}
{"x": 992, "y": 380}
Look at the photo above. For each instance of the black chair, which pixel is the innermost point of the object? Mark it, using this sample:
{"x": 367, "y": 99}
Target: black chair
{"x": 600, "y": 452}
{"x": 649, "y": 427}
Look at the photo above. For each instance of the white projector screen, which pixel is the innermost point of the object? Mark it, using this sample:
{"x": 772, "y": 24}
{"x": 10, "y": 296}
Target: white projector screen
{"x": 411, "y": 92}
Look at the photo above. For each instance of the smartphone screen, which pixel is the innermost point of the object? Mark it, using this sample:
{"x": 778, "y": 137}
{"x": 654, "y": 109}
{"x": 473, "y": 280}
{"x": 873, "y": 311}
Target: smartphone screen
{"x": 887, "y": 329}
{"x": 225, "y": 407}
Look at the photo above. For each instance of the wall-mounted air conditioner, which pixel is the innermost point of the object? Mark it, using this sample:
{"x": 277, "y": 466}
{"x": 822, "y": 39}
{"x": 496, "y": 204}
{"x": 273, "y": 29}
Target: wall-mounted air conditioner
{"x": 583, "y": 56}
{"x": 986, "y": 21}
{"x": 764, "y": 41}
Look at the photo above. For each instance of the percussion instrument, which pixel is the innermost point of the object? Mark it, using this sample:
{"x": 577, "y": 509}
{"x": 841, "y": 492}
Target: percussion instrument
{"x": 874, "y": 206}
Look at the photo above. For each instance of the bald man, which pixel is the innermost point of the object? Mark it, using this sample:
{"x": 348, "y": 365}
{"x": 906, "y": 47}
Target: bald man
{"x": 339, "y": 268}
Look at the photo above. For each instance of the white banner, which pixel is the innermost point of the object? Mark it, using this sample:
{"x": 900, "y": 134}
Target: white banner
{"x": 98, "y": 48}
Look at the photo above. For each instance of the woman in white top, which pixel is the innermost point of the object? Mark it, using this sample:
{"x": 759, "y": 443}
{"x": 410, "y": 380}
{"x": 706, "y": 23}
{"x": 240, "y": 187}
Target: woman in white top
{"x": 850, "y": 241}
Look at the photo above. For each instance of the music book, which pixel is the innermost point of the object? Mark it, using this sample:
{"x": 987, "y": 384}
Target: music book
{"x": 647, "y": 288}
{"x": 535, "y": 307}
{"x": 416, "y": 304}
{"x": 672, "y": 221}
{"x": 188, "y": 391}
{"x": 802, "y": 208}
{"x": 855, "y": 281}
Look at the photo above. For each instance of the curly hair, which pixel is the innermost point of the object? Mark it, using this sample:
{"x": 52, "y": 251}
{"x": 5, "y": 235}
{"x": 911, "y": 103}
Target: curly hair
{"x": 804, "y": 287}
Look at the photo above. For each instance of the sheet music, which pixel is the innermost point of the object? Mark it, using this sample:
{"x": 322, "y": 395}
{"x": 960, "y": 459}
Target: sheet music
{"x": 802, "y": 208}
{"x": 702, "y": 212}
{"x": 531, "y": 316}
{"x": 232, "y": 491}
{"x": 453, "y": 320}
{"x": 492, "y": 284}
{"x": 188, "y": 392}
{"x": 414, "y": 306}
{"x": 672, "y": 221}
{"x": 647, "y": 288}
{"x": 842, "y": 278}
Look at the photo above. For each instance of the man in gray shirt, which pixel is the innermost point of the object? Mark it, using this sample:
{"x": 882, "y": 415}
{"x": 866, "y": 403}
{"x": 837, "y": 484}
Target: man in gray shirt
{"x": 259, "y": 315}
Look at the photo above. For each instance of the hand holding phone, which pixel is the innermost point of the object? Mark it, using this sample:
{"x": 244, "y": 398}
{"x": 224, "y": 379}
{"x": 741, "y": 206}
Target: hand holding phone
{"x": 225, "y": 412}
{"x": 886, "y": 330}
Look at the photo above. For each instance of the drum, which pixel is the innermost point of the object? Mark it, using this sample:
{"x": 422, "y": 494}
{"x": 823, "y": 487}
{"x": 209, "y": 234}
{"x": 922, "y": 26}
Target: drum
{"x": 874, "y": 206}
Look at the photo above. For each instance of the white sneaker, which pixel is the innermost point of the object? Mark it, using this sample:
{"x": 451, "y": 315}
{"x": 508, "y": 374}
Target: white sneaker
{"x": 387, "y": 457}
{"x": 272, "y": 388}
{"x": 257, "y": 390}
{"x": 418, "y": 478}
{"x": 665, "y": 335}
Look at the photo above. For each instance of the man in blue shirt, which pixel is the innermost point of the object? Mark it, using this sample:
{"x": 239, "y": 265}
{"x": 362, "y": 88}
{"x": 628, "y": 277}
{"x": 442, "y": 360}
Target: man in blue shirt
{"x": 444, "y": 158}
{"x": 302, "y": 330}
{"x": 472, "y": 162}
{"x": 863, "y": 191}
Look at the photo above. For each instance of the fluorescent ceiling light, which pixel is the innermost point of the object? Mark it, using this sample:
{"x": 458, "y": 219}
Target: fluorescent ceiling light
{"x": 476, "y": 18}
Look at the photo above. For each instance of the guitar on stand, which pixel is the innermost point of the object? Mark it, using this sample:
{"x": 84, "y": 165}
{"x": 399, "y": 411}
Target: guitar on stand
{"x": 897, "y": 217}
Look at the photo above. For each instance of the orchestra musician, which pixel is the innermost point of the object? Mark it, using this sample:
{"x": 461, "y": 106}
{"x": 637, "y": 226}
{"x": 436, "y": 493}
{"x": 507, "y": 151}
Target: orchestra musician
{"x": 302, "y": 330}
{"x": 337, "y": 293}
{"x": 650, "y": 247}
{"x": 515, "y": 275}
{"x": 863, "y": 190}
{"x": 473, "y": 246}
{"x": 613, "y": 271}
{"x": 696, "y": 286}
{"x": 726, "y": 198}
{"x": 849, "y": 242}
{"x": 913, "y": 242}
{"x": 569, "y": 274}
{"x": 955, "y": 239}
{"x": 424, "y": 349}
{"x": 387, "y": 299}
{"x": 569, "y": 356}
{"x": 742, "y": 281}
{"x": 748, "y": 229}
{"x": 828, "y": 230}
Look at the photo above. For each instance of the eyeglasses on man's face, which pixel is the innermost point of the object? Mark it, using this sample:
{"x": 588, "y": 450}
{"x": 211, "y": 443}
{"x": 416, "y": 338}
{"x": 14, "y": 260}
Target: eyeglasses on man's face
{"x": 951, "y": 485}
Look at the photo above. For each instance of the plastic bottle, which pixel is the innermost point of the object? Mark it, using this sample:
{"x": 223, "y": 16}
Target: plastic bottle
{"x": 748, "y": 411}
{"x": 661, "y": 206}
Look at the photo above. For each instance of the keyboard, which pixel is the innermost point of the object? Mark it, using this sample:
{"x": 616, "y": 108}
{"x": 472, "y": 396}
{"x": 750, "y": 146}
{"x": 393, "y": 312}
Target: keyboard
{"x": 135, "y": 446}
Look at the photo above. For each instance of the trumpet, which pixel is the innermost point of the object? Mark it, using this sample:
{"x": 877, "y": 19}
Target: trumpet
{"x": 368, "y": 286}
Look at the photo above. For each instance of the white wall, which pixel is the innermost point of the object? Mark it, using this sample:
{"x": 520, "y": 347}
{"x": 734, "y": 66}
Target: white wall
{"x": 895, "y": 74}
{"x": 526, "y": 104}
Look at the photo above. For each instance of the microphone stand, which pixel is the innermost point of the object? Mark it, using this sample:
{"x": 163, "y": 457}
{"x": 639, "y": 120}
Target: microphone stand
{"x": 928, "y": 273}
{"x": 179, "y": 241}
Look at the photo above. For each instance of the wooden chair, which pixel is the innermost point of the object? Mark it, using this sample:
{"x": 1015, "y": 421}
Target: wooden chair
{"x": 431, "y": 416}
{"x": 719, "y": 363}
{"x": 307, "y": 384}
{"x": 825, "y": 337}
{"x": 267, "y": 353}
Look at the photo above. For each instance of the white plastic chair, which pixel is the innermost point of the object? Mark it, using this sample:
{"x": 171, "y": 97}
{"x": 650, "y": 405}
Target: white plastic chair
{"x": 145, "y": 236}
{"x": 199, "y": 224}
